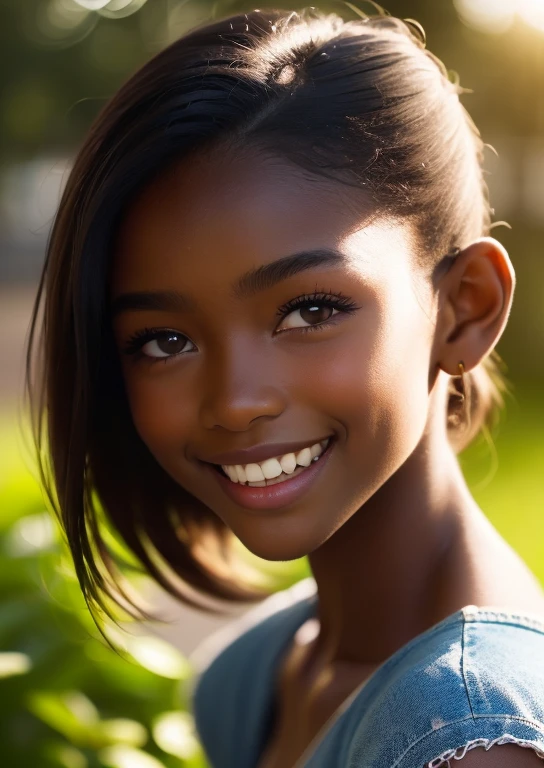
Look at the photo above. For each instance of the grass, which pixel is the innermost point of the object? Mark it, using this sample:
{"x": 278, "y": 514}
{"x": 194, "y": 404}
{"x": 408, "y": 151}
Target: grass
{"x": 506, "y": 477}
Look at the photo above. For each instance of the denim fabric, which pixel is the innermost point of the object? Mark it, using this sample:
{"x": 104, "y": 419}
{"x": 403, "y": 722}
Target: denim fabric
{"x": 475, "y": 679}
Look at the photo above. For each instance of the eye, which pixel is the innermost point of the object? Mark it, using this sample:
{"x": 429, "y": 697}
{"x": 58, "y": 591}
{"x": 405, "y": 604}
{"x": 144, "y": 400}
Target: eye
{"x": 309, "y": 315}
{"x": 314, "y": 311}
{"x": 165, "y": 345}
{"x": 157, "y": 343}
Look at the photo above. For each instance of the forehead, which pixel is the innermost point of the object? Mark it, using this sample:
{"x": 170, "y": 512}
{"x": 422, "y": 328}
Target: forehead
{"x": 219, "y": 214}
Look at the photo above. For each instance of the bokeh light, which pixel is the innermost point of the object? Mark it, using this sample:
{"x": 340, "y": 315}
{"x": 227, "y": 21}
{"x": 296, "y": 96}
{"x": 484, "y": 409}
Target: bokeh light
{"x": 487, "y": 15}
{"x": 127, "y": 757}
{"x": 120, "y": 9}
{"x": 497, "y": 16}
{"x": 92, "y": 5}
{"x": 58, "y": 24}
{"x": 532, "y": 12}
{"x": 175, "y": 734}
{"x": 64, "y": 14}
{"x": 113, "y": 9}
{"x": 14, "y": 664}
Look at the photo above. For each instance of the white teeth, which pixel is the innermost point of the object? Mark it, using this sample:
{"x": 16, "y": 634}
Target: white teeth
{"x": 304, "y": 457}
{"x": 242, "y": 476}
{"x": 253, "y": 472}
{"x": 288, "y": 463}
{"x": 267, "y": 470}
{"x": 231, "y": 472}
{"x": 273, "y": 468}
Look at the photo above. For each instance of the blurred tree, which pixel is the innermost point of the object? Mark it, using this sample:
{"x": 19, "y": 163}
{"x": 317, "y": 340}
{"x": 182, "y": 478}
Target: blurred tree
{"x": 59, "y": 62}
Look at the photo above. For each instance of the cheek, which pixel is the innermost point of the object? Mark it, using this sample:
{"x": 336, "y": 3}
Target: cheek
{"x": 398, "y": 388}
{"x": 376, "y": 385}
{"x": 161, "y": 411}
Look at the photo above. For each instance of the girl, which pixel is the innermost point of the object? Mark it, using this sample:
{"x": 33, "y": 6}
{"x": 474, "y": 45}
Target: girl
{"x": 268, "y": 288}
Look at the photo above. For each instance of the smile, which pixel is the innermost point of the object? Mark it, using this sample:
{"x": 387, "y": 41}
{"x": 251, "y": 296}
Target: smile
{"x": 277, "y": 469}
{"x": 278, "y": 491}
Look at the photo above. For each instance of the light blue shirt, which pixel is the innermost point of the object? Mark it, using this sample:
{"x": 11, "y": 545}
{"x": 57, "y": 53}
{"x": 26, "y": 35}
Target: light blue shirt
{"x": 475, "y": 679}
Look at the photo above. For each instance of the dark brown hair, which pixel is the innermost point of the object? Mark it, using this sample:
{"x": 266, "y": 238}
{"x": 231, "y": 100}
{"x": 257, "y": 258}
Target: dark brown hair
{"x": 361, "y": 101}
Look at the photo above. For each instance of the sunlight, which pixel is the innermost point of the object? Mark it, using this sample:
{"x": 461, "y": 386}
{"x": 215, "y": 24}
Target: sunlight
{"x": 92, "y": 5}
{"x": 532, "y": 12}
{"x": 158, "y": 656}
{"x": 175, "y": 734}
{"x": 487, "y": 15}
{"x": 14, "y": 664}
{"x": 113, "y": 9}
{"x": 120, "y": 756}
{"x": 497, "y": 16}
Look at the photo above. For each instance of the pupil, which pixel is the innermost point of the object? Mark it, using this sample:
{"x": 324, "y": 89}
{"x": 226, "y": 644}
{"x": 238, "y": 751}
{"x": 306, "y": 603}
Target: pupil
{"x": 313, "y": 313}
{"x": 171, "y": 343}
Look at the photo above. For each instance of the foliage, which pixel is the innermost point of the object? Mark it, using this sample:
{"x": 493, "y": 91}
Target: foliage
{"x": 67, "y": 700}
{"x": 62, "y": 59}
{"x": 504, "y": 474}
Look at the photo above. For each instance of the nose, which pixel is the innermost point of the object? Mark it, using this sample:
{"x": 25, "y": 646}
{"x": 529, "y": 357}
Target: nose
{"x": 242, "y": 385}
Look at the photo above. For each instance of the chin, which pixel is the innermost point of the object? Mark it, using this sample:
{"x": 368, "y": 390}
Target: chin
{"x": 282, "y": 547}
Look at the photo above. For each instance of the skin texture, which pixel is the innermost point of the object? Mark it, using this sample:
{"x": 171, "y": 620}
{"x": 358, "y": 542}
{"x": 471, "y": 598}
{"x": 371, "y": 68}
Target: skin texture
{"x": 390, "y": 527}
{"x": 501, "y": 756}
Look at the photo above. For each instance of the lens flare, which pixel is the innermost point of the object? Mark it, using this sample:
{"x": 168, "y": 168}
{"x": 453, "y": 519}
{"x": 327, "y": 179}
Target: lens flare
{"x": 120, "y": 9}
{"x": 92, "y": 5}
{"x": 494, "y": 16}
{"x": 497, "y": 16}
{"x": 532, "y": 12}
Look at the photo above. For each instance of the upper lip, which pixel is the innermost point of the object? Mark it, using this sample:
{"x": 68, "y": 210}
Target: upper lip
{"x": 260, "y": 452}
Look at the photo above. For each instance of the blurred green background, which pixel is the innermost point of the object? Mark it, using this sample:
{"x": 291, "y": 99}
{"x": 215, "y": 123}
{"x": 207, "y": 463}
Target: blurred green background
{"x": 66, "y": 698}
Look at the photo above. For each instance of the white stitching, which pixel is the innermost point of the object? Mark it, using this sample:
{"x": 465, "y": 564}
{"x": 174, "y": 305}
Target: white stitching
{"x": 445, "y": 757}
{"x": 475, "y": 613}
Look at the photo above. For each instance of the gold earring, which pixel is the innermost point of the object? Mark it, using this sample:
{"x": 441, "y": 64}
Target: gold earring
{"x": 464, "y": 396}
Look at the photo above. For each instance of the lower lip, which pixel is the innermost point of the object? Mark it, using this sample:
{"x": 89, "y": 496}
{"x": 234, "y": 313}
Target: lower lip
{"x": 277, "y": 495}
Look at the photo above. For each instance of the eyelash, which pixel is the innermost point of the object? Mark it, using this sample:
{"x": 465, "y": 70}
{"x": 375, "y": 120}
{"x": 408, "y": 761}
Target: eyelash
{"x": 323, "y": 298}
{"x": 333, "y": 300}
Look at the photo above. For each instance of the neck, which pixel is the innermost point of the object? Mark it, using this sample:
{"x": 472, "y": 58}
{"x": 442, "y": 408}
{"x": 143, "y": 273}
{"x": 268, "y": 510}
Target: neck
{"x": 388, "y": 573}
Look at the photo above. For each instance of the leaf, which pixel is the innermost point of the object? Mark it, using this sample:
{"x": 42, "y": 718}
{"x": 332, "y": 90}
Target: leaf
{"x": 127, "y": 757}
{"x": 12, "y": 664}
{"x": 65, "y": 755}
{"x": 70, "y": 713}
{"x": 122, "y": 731}
{"x": 158, "y": 656}
{"x": 174, "y": 733}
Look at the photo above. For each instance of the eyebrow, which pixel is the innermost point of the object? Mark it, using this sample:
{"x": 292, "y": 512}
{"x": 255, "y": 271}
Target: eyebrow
{"x": 250, "y": 283}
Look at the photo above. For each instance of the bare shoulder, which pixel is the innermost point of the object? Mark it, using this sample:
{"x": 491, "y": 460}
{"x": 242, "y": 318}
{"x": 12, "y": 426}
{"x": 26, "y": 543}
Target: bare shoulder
{"x": 501, "y": 756}
{"x": 492, "y": 574}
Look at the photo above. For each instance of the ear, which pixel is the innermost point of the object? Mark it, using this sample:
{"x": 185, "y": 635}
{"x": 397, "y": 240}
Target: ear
{"x": 474, "y": 303}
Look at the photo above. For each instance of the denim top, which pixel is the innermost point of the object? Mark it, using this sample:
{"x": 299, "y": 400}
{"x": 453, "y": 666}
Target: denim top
{"x": 475, "y": 679}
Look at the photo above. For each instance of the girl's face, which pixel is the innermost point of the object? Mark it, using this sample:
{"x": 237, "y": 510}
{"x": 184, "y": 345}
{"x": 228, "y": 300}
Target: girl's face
{"x": 215, "y": 361}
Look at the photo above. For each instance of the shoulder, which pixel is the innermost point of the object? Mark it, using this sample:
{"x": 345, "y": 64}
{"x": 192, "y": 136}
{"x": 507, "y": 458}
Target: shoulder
{"x": 477, "y": 680}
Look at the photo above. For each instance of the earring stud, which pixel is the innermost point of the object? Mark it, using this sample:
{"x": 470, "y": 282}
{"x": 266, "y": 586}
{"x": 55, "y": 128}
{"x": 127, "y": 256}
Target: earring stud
{"x": 464, "y": 395}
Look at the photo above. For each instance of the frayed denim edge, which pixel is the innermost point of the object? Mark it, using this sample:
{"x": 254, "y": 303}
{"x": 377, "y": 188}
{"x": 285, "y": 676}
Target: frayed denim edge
{"x": 450, "y": 754}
